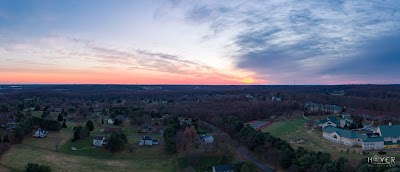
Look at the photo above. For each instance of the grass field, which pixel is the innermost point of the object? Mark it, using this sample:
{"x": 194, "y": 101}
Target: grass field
{"x": 293, "y": 129}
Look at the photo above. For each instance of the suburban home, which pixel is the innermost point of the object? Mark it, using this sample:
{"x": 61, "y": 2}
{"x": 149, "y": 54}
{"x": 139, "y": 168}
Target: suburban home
{"x": 99, "y": 141}
{"x": 6, "y": 119}
{"x": 40, "y": 133}
{"x": 110, "y": 121}
{"x": 390, "y": 134}
{"x": 223, "y": 168}
{"x": 11, "y": 126}
{"x": 384, "y": 137}
{"x": 146, "y": 141}
{"x": 207, "y": 139}
{"x": 276, "y": 98}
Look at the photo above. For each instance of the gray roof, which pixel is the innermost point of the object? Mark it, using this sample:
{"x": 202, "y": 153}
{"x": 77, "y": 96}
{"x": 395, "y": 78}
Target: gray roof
{"x": 98, "y": 137}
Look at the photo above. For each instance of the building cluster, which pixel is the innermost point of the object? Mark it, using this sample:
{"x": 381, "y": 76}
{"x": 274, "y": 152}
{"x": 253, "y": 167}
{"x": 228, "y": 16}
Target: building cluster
{"x": 383, "y": 137}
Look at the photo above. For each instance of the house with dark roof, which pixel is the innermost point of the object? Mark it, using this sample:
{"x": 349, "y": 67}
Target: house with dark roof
{"x": 223, "y": 168}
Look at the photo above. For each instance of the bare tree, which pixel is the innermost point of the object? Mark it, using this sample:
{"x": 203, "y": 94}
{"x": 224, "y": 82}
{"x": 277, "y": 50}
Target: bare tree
{"x": 57, "y": 141}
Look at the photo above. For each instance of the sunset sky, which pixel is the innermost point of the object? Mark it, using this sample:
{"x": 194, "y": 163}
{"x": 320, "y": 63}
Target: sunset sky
{"x": 199, "y": 42}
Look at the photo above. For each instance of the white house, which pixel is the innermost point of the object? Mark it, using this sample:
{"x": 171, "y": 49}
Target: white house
{"x": 40, "y": 133}
{"x": 99, "y": 141}
{"x": 110, "y": 121}
{"x": 207, "y": 139}
{"x": 146, "y": 141}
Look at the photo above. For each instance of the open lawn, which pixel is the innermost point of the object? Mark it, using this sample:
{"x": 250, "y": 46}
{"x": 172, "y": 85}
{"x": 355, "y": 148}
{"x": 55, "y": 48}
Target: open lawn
{"x": 294, "y": 131}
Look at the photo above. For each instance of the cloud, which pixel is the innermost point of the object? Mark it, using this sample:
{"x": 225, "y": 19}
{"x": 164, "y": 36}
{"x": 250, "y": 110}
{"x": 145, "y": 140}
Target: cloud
{"x": 377, "y": 59}
{"x": 286, "y": 40}
{"x": 74, "y": 53}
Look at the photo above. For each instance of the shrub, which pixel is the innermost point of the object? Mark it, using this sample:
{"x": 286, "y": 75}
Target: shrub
{"x": 64, "y": 125}
{"x": 381, "y": 152}
{"x": 31, "y": 167}
{"x": 60, "y": 117}
{"x": 116, "y": 142}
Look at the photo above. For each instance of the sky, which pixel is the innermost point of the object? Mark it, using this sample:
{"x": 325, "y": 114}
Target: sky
{"x": 199, "y": 42}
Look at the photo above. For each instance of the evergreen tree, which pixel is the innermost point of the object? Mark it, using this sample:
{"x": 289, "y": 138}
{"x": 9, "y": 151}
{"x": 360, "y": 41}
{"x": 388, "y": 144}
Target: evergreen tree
{"x": 5, "y": 139}
{"x": 60, "y": 117}
{"x": 64, "y": 125}
{"x": 89, "y": 124}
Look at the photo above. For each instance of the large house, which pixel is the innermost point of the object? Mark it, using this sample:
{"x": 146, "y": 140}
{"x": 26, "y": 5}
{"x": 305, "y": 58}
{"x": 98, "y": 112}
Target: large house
{"x": 384, "y": 137}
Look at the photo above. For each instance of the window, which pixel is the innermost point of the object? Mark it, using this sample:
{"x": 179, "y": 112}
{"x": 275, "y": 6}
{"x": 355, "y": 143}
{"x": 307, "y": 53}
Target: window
{"x": 334, "y": 136}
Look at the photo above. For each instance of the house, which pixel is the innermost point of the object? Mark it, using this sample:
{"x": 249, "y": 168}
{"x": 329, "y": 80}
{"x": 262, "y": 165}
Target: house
{"x": 390, "y": 134}
{"x": 328, "y": 121}
{"x": 187, "y": 121}
{"x": 40, "y": 133}
{"x": 206, "y": 139}
{"x": 110, "y": 121}
{"x": 99, "y": 141}
{"x": 223, "y": 168}
{"x": 276, "y": 98}
{"x": 11, "y": 126}
{"x": 146, "y": 141}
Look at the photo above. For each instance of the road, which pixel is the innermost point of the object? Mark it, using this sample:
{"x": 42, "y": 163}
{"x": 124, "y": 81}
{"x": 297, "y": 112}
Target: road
{"x": 242, "y": 152}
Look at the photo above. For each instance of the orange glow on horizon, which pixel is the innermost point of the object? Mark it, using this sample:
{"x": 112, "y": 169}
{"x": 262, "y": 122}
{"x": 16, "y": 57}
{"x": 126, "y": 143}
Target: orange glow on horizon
{"x": 110, "y": 77}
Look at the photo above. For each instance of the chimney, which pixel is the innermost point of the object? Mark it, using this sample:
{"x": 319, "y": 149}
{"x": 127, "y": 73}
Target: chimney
{"x": 390, "y": 123}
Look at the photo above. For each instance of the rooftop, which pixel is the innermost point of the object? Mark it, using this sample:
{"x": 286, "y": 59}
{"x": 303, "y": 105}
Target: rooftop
{"x": 390, "y": 131}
